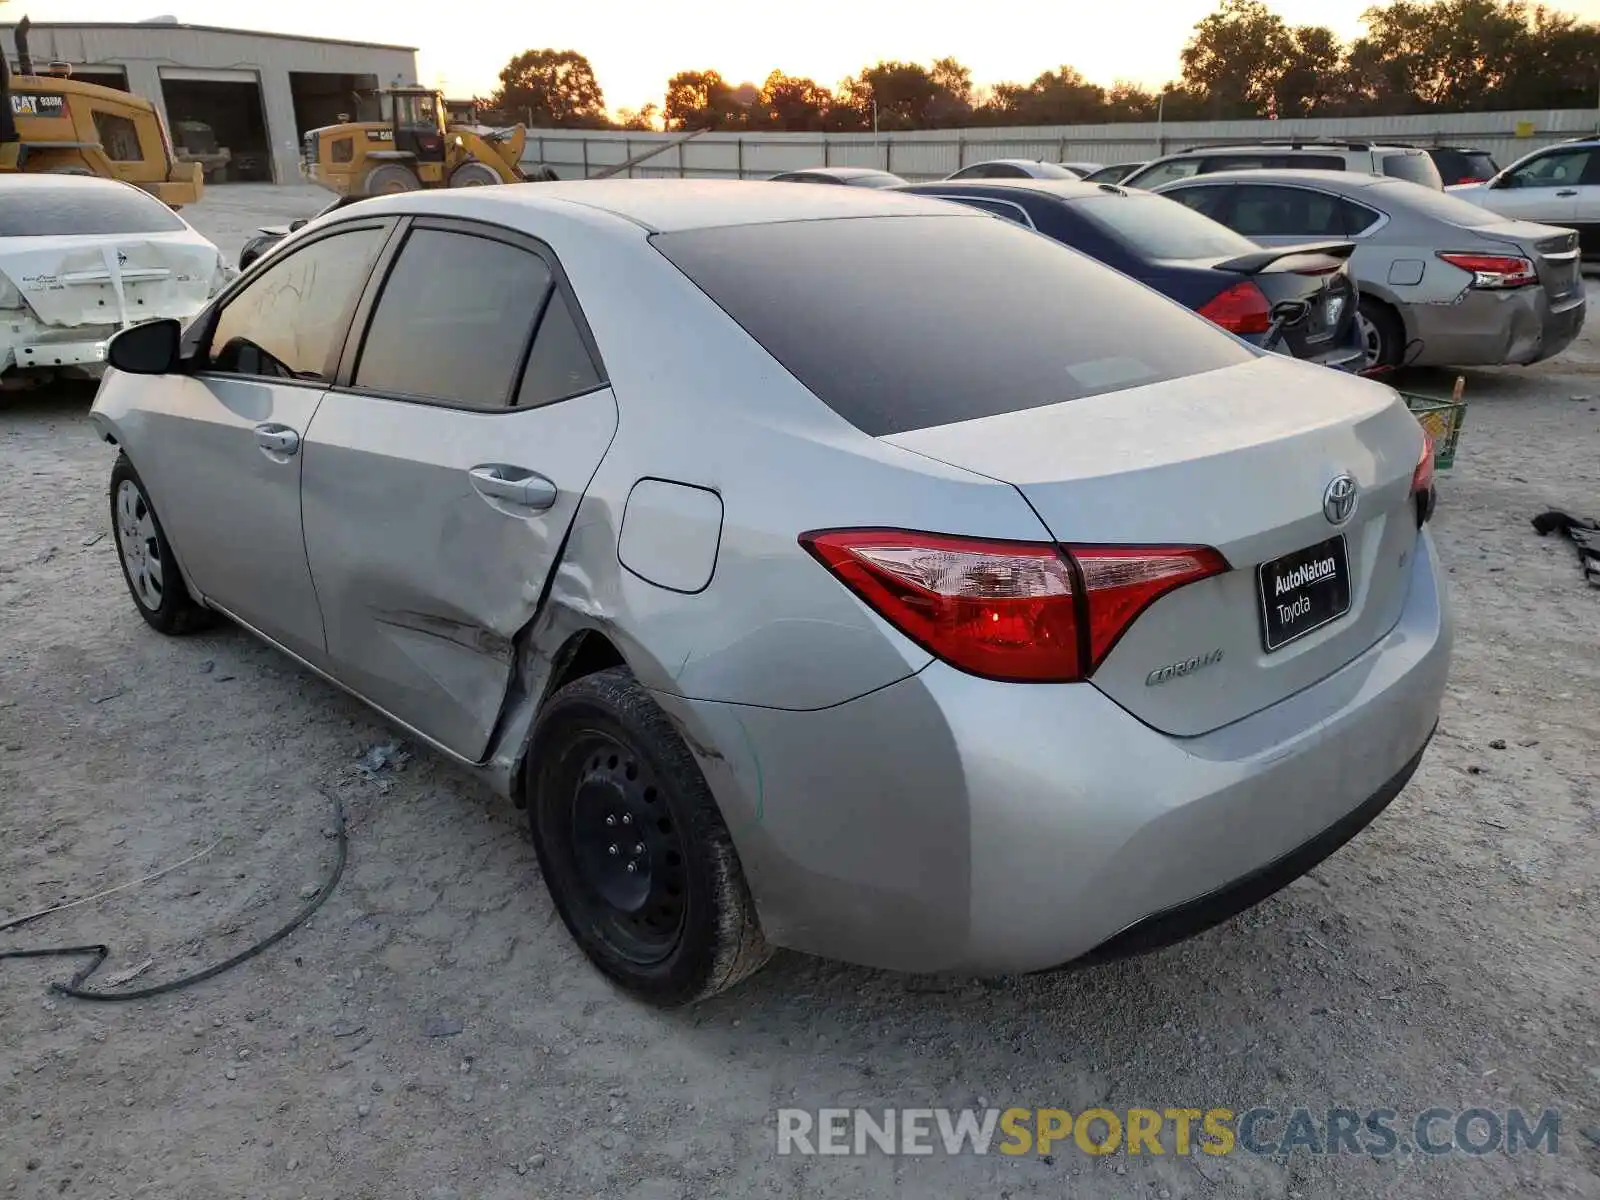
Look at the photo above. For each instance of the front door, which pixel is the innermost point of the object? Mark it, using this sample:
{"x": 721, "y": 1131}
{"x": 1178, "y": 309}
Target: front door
{"x": 440, "y": 484}
{"x": 227, "y": 445}
{"x": 1543, "y": 189}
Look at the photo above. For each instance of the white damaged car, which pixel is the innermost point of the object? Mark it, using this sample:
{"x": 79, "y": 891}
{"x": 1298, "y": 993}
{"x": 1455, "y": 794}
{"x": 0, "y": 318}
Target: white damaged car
{"x": 81, "y": 258}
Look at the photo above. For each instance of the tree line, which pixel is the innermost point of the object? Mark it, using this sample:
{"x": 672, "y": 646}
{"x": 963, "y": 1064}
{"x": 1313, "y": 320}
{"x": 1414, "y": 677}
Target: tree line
{"x": 1243, "y": 60}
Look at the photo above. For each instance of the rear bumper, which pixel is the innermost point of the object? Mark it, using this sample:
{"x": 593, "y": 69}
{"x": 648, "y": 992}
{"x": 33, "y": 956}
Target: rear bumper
{"x": 1488, "y": 328}
{"x": 952, "y": 823}
{"x": 1204, "y": 912}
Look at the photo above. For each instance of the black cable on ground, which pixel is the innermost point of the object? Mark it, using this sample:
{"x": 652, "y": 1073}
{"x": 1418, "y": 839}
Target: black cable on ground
{"x": 74, "y": 987}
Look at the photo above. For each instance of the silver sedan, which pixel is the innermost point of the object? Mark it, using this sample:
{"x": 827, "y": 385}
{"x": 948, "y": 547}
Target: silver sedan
{"x": 820, "y": 567}
{"x": 1442, "y": 282}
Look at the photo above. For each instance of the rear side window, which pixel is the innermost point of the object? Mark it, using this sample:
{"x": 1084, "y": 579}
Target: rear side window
{"x": 1156, "y": 174}
{"x": 1414, "y": 166}
{"x": 286, "y": 321}
{"x": 1208, "y": 200}
{"x": 454, "y": 319}
{"x": 56, "y": 210}
{"x": 559, "y": 365}
{"x": 1156, "y": 227}
{"x": 900, "y": 323}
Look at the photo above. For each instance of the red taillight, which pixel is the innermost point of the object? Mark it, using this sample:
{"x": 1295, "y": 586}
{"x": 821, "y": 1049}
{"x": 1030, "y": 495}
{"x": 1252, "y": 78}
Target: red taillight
{"x": 1123, "y": 581}
{"x": 1493, "y": 270}
{"x": 1020, "y": 611}
{"x": 1243, "y": 308}
{"x": 1422, "y": 494}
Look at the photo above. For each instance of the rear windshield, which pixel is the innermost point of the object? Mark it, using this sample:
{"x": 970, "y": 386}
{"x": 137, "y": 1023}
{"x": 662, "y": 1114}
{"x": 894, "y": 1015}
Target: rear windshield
{"x": 54, "y": 211}
{"x": 900, "y": 323}
{"x": 1413, "y": 166}
{"x": 1430, "y": 203}
{"x": 1156, "y": 227}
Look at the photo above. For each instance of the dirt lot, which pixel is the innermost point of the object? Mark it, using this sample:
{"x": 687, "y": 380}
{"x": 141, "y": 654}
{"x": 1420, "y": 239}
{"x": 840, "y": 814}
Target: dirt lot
{"x": 1447, "y": 957}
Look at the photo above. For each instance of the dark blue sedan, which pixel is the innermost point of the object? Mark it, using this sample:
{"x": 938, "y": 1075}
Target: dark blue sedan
{"x": 1302, "y": 295}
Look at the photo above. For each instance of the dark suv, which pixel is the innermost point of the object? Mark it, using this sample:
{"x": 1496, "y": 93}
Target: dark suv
{"x": 1463, "y": 164}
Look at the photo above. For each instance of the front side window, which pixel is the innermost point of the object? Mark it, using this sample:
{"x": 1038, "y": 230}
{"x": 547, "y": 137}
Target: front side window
{"x": 453, "y": 321}
{"x": 1207, "y": 200}
{"x": 119, "y": 137}
{"x": 1156, "y": 174}
{"x": 289, "y": 322}
{"x": 1260, "y": 211}
{"x": 1564, "y": 168}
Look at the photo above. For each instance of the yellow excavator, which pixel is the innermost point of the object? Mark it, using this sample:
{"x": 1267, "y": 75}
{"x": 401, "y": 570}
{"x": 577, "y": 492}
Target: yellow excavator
{"x": 55, "y": 124}
{"x": 410, "y": 146}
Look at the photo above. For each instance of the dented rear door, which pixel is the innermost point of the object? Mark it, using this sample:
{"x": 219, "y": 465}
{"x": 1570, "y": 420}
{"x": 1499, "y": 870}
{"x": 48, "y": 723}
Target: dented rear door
{"x": 439, "y": 485}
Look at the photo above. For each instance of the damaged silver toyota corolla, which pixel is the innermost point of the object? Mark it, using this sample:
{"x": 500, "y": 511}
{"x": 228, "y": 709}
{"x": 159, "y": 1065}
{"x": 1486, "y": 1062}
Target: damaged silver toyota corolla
{"x": 802, "y": 558}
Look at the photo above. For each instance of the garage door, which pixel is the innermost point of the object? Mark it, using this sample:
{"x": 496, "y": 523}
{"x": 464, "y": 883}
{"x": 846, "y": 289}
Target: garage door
{"x": 202, "y": 75}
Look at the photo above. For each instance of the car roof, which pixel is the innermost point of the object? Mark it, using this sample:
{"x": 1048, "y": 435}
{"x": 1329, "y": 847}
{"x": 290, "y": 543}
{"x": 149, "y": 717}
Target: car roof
{"x": 1012, "y": 162}
{"x": 665, "y": 205}
{"x": 837, "y": 172}
{"x": 1060, "y": 189}
{"x": 1346, "y": 179}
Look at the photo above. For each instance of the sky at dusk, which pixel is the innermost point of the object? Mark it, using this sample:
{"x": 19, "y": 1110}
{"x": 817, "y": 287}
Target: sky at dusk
{"x": 634, "y": 46}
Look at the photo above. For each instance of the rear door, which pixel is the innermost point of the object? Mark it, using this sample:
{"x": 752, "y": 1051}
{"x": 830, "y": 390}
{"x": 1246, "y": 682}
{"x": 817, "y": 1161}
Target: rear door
{"x": 223, "y": 454}
{"x": 443, "y": 473}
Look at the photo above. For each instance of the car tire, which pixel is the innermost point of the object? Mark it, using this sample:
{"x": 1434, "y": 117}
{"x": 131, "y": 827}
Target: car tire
{"x": 386, "y": 179}
{"x": 148, "y": 567}
{"x": 1383, "y": 336}
{"x": 473, "y": 174}
{"x": 633, "y": 848}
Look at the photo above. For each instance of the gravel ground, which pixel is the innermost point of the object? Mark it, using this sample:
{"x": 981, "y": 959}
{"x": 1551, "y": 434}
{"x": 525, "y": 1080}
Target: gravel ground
{"x": 1446, "y": 957}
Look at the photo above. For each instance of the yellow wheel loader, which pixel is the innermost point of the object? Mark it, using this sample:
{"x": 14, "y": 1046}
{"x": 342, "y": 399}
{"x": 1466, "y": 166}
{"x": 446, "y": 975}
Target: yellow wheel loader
{"x": 411, "y": 146}
{"x": 54, "y": 124}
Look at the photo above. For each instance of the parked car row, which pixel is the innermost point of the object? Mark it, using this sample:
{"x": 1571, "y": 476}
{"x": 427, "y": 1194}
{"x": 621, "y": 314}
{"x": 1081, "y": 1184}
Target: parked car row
{"x": 833, "y": 568}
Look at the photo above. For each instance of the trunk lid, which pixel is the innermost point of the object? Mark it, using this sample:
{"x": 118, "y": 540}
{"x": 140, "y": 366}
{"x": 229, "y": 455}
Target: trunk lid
{"x": 1238, "y": 459}
{"x": 1555, "y": 252}
{"x": 110, "y": 279}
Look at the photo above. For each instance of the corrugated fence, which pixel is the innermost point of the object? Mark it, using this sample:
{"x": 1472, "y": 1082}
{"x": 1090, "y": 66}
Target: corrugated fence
{"x": 577, "y": 154}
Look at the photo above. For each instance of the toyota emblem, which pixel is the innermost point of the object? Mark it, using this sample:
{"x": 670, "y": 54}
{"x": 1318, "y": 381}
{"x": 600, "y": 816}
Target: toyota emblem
{"x": 1339, "y": 501}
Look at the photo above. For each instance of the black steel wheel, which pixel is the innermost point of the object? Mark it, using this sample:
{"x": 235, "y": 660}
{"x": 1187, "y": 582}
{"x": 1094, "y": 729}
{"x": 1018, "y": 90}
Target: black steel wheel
{"x": 633, "y": 848}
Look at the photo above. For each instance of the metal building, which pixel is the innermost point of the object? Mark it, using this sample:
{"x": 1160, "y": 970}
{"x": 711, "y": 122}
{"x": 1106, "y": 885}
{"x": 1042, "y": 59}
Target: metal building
{"x": 250, "y": 93}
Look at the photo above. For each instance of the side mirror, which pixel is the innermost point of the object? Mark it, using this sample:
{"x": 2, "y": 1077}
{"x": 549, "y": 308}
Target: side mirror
{"x": 299, "y": 223}
{"x": 147, "y": 349}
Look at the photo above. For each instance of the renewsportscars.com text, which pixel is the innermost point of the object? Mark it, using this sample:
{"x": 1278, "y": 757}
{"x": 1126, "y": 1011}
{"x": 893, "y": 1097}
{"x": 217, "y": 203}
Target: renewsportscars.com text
{"x": 1376, "y": 1132}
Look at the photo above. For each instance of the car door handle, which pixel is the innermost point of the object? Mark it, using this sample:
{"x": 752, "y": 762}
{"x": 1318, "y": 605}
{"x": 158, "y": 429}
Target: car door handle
{"x": 1567, "y": 192}
{"x": 280, "y": 439}
{"x": 514, "y": 485}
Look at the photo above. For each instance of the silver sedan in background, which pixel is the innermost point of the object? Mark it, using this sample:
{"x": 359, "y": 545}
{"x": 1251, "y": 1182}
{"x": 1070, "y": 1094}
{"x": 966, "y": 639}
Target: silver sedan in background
{"x": 1443, "y": 282}
{"x": 821, "y": 567}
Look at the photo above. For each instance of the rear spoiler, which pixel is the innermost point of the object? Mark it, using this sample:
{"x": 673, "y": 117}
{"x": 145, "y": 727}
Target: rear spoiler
{"x": 1260, "y": 260}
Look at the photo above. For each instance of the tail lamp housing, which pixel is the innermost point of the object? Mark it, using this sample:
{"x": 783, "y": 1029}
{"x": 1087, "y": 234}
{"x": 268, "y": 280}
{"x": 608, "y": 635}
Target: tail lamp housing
{"x": 1493, "y": 272}
{"x": 1422, "y": 493}
{"x": 1025, "y": 612}
{"x": 1241, "y": 309}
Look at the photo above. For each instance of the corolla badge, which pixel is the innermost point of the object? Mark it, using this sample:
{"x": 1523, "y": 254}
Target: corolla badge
{"x": 1339, "y": 500}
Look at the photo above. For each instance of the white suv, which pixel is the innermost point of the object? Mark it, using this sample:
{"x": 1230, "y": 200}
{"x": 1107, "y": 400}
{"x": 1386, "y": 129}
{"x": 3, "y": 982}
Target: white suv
{"x": 1402, "y": 162}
